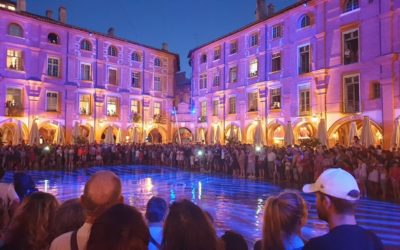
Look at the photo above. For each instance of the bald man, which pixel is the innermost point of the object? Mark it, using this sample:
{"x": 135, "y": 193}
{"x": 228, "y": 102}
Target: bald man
{"x": 102, "y": 190}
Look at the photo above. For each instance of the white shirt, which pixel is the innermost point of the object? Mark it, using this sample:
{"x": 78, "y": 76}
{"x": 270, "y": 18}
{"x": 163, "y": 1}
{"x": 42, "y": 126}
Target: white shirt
{"x": 271, "y": 156}
{"x": 63, "y": 242}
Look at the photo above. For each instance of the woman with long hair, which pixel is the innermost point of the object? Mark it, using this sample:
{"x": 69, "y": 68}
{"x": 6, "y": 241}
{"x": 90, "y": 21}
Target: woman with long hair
{"x": 284, "y": 216}
{"x": 31, "y": 225}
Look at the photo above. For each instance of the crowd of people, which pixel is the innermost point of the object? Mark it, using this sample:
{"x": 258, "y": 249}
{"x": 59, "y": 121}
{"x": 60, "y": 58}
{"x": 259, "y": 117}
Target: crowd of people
{"x": 99, "y": 220}
{"x": 377, "y": 171}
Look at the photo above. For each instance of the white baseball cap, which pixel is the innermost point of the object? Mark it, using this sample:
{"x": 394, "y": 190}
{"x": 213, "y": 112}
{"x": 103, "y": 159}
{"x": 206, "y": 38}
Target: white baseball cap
{"x": 334, "y": 182}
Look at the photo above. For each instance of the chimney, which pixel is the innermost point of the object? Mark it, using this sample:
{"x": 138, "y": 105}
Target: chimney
{"x": 261, "y": 11}
{"x": 62, "y": 14}
{"x": 49, "y": 14}
{"x": 21, "y": 5}
{"x": 111, "y": 31}
{"x": 270, "y": 10}
{"x": 164, "y": 46}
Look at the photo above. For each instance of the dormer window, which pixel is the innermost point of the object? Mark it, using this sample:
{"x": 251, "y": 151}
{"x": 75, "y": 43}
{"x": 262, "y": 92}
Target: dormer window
{"x": 53, "y": 38}
{"x": 350, "y": 5}
{"x": 157, "y": 62}
{"x": 15, "y": 30}
{"x": 305, "y": 21}
{"x": 112, "y": 51}
{"x": 86, "y": 45}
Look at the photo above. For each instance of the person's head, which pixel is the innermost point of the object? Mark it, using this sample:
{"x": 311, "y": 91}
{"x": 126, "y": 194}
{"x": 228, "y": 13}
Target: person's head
{"x": 284, "y": 215}
{"x": 31, "y": 225}
{"x": 120, "y": 227}
{"x": 102, "y": 190}
{"x": 70, "y": 216}
{"x": 234, "y": 241}
{"x": 187, "y": 227}
{"x": 156, "y": 209}
{"x": 337, "y": 192}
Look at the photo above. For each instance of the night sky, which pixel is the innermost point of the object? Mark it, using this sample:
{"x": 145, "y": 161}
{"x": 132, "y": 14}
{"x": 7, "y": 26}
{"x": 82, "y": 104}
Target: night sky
{"x": 183, "y": 24}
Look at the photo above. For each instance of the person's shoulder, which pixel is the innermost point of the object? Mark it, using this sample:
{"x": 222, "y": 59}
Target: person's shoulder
{"x": 62, "y": 242}
{"x": 320, "y": 242}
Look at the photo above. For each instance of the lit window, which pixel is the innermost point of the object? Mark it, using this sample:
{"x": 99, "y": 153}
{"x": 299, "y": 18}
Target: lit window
{"x": 86, "y": 72}
{"x": 304, "y": 101}
{"x": 350, "y": 5}
{"x": 252, "y": 102}
{"x": 203, "y": 111}
{"x": 304, "y": 59}
{"x": 215, "y": 107}
{"x": 84, "y": 104}
{"x": 112, "y": 106}
{"x": 112, "y": 51}
{"x": 136, "y": 79}
{"x": 277, "y": 31}
{"x": 51, "y": 101}
{"x": 352, "y": 94}
{"x": 14, "y": 105}
{"x": 86, "y": 45}
{"x": 53, "y": 38}
{"x": 217, "y": 53}
{"x": 53, "y": 67}
{"x": 136, "y": 57}
{"x": 233, "y": 74}
{"x": 157, "y": 83}
{"x": 275, "y": 98}
{"x": 232, "y": 105}
{"x": 157, "y": 109}
{"x": 112, "y": 76}
{"x": 15, "y": 60}
{"x": 276, "y": 62}
{"x": 203, "y": 81}
{"x": 254, "y": 40}
{"x": 157, "y": 62}
{"x": 253, "y": 68}
{"x": 350, "y": 47}
{"x": 135, "y": 107}
{"x": 15, "y": 30}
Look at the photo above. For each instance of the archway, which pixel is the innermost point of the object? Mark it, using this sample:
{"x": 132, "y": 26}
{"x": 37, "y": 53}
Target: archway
{"x": 276, "y": 133}
{"x": 233, "y": 133}
{"x": 113, "y": 138}
{"x": 304, "y": 131}
{"x": 135, "y": 134}
{"x": 185, "y": 135}
{"x": 9, "y": 127}
{"x": 154, "y": 136}
{"x": 47, "y": 133}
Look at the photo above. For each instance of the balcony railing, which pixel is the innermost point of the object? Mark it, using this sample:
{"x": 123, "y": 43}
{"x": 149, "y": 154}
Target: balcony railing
{"x": 14, "y": 109}
{"x": 158, "y": 118}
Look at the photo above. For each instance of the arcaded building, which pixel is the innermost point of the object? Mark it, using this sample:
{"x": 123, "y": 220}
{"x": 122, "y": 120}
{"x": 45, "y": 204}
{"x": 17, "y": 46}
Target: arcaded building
{"x": 335, "y": 60}
{"x": 80, "y": 83}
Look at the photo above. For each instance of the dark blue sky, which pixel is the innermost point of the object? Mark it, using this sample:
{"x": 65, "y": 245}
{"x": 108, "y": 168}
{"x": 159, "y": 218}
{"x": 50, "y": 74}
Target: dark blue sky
{"x": 183, "y": 24}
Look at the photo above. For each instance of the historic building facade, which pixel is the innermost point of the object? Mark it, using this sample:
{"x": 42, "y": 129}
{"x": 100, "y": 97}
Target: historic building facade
{"x": 335, "y": 60}
{"x": 81, "y": 82}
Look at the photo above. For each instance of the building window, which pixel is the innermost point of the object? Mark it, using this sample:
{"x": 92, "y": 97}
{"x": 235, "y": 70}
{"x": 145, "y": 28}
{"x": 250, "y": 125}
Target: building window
{"x": 53, "y": 67}
{"x": 252, "y": 102}
{"x": 203, "y": 81}
{"x": 304, "y": 59}
{"x": 232, "y": 105}
{"x": 157, "y": 83}
{"x": 277, "y": 31}
{"x": 112, "y": 76}
{"x": 216, "y": 80}
{"x": 136, "y": 57}
{"x": 112, "y": 51}
{"x": 233, "y": 74}
{"x": 305, "y": 21}
{"x": 254, "y": 40}
{"x": 215, "y": 107}
{"x": 352, "y": 94}
{"x": 14, "y": 105}
{"x": 53, "y": 38}
{"x": 275, "y": 97}
{"x": 15, "y": 30}
{"x": 350, "y": 47}
{"x": 304, "y": 99}
{"x": 376, "y": 90}
{"x": 135, "y": 107}
{"x": 86, "y": 45}
{"x": 203, "y": 111}
{"x": 217, "y": 53}
{"x": 136, "y": 79}
{"x": 15, "y": 60}
{"x": 112, "y": 106}
{"x": 233, "y": 47}
{"x": 276, "y": 62}
{"x": 350, "y": 5}
{"x": 84, "y": 104}
{"x": 253, "y": 68}
{"x": 157, "y": 109}
{"x": 51, "y": 101}
{"x": 86, "y": 72}
{"x": 157, "y": 62}
{"x": 203, "y": 58}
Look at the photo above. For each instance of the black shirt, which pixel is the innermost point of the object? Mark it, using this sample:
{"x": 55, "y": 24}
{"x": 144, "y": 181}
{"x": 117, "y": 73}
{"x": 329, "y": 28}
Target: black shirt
{"x": 346, "y": 237}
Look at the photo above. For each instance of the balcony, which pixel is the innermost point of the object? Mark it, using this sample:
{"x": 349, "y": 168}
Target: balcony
{"x": 14, "y": 109}
{"x": 158, "y": 118}
{"x": 136, "y": 117}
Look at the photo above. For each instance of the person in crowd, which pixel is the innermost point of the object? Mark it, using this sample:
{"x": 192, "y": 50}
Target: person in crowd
{"x": 9, "y": 201}
{"x": 284, "y": 216}
{"x": 394, "y": 174}
{"x": 234, "y": 241}
{"x": 156, "y": 210}
{"x": 336, "y": 195}
{"x": 187, "y": 227}
{"x": 30, "y": 228}
{"x": 70, "y": 216}
{"x": 120, "y": 227}
{"x": 24, "y": 184}
{"x": 102, "y": 190}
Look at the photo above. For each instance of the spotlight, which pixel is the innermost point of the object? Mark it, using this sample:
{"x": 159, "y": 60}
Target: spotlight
{"x": 258, "y": 148}
{"x": 200, "y": 153}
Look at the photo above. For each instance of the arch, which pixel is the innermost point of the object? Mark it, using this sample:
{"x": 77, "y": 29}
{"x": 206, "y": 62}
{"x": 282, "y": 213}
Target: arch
{"x": 47, "y": 132}
{"x": 53, "y": 38}
{"x": 136, "y": 57}
{"x": 157, "y": 62}
{"x": 115, "y": 133}
{"x": 159, "y": 129}
{"x": 112, "y": 50}
{"x": 338, "y": 132}
{"x": 8, "y": 128}
{"x": 237, "y": 132}
{"x": 250, "y": 132}
{"x": 15, "y": 29}
{"x": 350, "y": 5}
{"x": 130, "y": 132}
{"x": 276, "y": 133}
{"x": 304, "y": 130}
{"x": 186, "y": 135}
{"x": 304, "y": 21}
{"x": 86, "y": 45}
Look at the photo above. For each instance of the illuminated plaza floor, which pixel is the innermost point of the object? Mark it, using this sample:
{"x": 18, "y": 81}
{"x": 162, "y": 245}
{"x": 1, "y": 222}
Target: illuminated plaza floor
{"x": 235, "y": 204}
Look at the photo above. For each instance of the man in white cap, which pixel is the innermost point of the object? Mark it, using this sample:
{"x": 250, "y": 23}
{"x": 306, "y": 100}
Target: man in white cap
{"x": 336, "y": 195}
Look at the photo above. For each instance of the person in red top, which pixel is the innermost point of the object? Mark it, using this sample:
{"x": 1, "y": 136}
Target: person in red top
{"x": 394, "y": 174}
